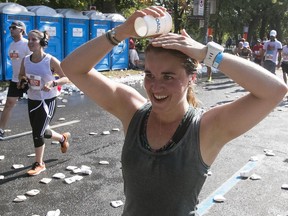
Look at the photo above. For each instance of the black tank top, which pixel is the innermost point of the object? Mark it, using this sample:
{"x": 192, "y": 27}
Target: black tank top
{"x": 166, "y": 182}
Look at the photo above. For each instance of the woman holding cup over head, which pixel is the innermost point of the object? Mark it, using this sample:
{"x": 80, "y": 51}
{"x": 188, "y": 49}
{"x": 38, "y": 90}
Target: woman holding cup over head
{"x": 169, "y": 142}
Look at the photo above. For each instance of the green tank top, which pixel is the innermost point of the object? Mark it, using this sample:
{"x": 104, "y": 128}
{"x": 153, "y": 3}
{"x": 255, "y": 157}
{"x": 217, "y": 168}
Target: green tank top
{"x": 166, "y": 182}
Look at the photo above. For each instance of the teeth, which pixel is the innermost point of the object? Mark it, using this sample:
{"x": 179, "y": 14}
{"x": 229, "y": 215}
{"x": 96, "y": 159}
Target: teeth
{"x": 159, "y": 97}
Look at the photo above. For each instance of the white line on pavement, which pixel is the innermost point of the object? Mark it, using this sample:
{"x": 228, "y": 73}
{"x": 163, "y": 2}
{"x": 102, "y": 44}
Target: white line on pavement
{"x": 29, "y": 132}
{"x": 206, "y": 204}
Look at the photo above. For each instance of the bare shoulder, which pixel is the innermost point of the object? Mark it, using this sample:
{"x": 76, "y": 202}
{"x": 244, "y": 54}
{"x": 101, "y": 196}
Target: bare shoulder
{"x": 54, "y": 60}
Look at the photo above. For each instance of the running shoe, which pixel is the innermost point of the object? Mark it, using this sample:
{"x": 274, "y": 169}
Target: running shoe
{"x": 65, "y": 143}
{"x": 36, "y": 169}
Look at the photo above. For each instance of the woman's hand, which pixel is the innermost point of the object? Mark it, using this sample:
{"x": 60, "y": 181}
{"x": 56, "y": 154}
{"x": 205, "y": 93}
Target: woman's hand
{"x": 48, "y": 86}
{"x": 127, "y": 30}
{"x": 23, "y": 82}
{"x": 183, "y": 43}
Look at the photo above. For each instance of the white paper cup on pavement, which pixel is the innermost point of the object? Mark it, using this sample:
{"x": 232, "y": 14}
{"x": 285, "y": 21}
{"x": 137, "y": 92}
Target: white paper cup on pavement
{"x": 149, "y": 25}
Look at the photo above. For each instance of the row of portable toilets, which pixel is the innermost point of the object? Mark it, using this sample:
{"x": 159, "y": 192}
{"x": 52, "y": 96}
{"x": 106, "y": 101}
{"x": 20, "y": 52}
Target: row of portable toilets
{"x": 67, "y": 28}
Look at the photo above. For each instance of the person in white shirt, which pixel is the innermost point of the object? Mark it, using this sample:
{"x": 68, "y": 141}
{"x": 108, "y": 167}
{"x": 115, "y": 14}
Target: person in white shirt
{"x": 17, "y": 51}
{"x": 284, "y": 63}
{"x": 272, "y": 53}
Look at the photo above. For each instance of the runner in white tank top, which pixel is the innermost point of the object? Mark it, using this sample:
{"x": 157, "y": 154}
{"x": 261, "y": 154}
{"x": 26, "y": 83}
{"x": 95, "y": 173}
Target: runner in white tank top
{"x": 38, "y": 68}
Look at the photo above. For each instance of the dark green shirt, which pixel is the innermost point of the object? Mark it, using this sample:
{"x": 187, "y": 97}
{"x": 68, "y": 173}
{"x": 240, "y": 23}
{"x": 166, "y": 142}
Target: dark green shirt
{"x": 167, "y": 182}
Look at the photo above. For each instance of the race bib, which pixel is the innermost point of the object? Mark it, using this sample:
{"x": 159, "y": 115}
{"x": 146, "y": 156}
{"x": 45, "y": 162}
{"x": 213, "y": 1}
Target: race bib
{"x": 285, "y": 58}
{"x": 34, "y": 82}
{"x": 14, "y": 55}
{"x": 269, "y": 57}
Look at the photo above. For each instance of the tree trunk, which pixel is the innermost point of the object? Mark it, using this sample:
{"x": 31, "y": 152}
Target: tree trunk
{"x": 109, "y": 6}
{"x": 176, "y": 17}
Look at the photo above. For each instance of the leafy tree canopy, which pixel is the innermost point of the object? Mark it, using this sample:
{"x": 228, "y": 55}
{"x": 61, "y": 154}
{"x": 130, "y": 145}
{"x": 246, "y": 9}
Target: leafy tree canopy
{"x": 259, "y": 16}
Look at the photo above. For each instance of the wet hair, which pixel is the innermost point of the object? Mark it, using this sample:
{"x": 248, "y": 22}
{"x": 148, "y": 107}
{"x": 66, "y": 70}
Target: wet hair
{"x": 190, "y": 65}
{"x": 42, "y": 36}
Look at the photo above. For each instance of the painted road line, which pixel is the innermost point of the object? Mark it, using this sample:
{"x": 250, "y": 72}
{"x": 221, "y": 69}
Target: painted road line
{"x": 206, "y": 204}
{"x": 29, "y": 132}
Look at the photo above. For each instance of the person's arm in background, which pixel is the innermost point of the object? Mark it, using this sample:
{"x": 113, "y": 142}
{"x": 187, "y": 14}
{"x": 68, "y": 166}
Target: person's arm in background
{"x": 23, "y": 80}
{"x": 55, "y": 68}
{"x": 263, "y": 51}
{"x": 279, "y": 58}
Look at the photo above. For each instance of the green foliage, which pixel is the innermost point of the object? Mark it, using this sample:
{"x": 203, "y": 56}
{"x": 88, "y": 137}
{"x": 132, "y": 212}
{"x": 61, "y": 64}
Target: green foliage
{"x": 231, "y": 15}
{"x": 259, "y": 15}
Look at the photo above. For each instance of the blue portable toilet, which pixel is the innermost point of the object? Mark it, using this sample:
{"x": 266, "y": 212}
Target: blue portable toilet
{"x": 99, "y": 25}
{"x": 47, "y": 19}
{"x": 10, "y": 12}
{"x": 76, "y": 29}
{"x": 120, "y": 53}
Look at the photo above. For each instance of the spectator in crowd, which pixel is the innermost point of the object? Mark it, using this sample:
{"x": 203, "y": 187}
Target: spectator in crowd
{"x": 246, "y": 52}
{"x": 229, "y": 42}
{"x": 18, "y": 49}
{"x": 133, "y": 55}
{"x": 238, "y": 49}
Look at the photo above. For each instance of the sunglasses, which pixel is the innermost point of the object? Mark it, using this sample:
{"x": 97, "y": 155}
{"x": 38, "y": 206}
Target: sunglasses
{"x": 14, "y": 27}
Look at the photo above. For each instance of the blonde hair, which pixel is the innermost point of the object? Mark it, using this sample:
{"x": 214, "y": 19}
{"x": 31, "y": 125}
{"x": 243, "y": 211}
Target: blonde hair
{"x": 191, "y": 98}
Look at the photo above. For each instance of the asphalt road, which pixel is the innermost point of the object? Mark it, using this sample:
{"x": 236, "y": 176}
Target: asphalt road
{"x": 93, "y": 194}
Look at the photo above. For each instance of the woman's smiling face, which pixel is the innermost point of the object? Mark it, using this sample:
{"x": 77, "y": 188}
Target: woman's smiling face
{"x": 33, "y": 41}
{"x": 166, "y": 80}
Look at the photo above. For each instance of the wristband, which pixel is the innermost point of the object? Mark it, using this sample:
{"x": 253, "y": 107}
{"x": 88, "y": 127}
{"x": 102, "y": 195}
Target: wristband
{"x": 108, "y": 36}
{"x": 113, "y": 35}
{"x": 218, "y": 60}
{"x": 213, "y": 50}
{"x": 54, "y": 84}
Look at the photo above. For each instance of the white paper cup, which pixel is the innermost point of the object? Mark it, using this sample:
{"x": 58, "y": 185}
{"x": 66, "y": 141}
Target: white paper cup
{"x": 149, "y": 25}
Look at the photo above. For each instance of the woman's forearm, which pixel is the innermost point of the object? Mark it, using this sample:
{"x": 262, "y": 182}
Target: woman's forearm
{"x": 62, "y": 81}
